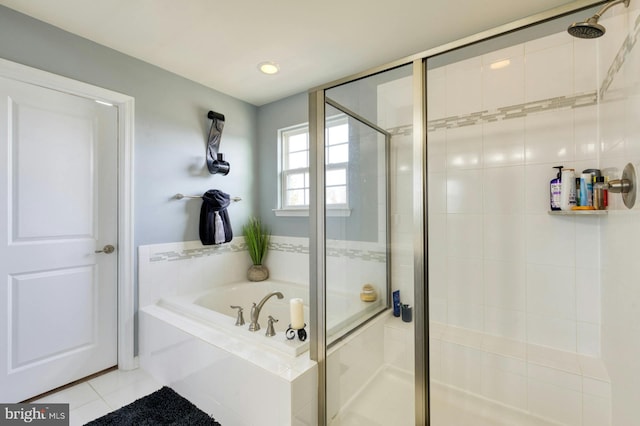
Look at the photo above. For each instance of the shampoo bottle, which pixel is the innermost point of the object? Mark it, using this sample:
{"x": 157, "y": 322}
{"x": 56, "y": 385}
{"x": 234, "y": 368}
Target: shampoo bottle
{"x": 586, "y": 189}
{"x": 568, "y": 189}
{"x": 555, "y": 188}
{"x": 396, "y": 303}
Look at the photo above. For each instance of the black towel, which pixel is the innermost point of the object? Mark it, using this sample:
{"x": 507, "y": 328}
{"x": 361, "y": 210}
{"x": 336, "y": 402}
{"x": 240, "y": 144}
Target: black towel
{"x": 215, "y": 227}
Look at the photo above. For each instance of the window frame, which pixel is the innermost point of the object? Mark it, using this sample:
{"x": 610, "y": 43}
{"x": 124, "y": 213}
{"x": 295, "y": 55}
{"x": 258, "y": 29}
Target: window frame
{"x": 334, "y": 209}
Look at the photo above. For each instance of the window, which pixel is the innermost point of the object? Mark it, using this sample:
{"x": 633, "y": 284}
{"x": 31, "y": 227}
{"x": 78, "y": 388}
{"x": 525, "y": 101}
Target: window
{"x": 294, "y": 148}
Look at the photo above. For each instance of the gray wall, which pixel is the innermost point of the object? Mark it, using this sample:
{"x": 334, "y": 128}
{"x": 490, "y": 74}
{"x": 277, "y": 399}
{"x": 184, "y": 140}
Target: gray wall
{"x": 271, "y": 117}
{"x": 171, "y": 126}
{"x": 362, "y": 225}
{"x": 361, "y": 96}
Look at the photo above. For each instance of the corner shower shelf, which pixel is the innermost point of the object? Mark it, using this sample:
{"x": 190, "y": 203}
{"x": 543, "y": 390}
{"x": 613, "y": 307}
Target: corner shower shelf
{"x": 578, "y": 212}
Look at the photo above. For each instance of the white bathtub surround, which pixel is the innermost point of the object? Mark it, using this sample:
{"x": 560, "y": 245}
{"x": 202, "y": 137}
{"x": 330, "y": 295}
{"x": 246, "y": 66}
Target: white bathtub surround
{"x": 188, "y": 339}
{"x": 288, "y": 259}
{"x": 242, "y": 384}
{"x": 213, "y": 308}
{"x": 217, "y": 367}
{"x": 185, "y": 267}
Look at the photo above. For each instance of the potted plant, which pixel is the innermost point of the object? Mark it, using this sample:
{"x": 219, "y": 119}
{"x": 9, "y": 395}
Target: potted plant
{"x": 257, "y": 239}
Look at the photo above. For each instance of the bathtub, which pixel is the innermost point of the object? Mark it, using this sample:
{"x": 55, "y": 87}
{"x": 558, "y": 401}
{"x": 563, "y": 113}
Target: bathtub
{"x": 190, "y": 342}
{"x": 213, "y": 307}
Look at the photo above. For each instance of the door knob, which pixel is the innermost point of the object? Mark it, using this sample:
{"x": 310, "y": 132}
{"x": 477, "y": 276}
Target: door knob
{"x": 108, "y": 249}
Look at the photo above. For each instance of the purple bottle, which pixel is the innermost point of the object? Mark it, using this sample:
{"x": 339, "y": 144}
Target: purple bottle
{"x": 555, "y": 189}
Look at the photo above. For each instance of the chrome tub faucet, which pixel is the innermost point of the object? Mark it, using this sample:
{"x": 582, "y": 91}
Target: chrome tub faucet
{"x": 255, "y": 310}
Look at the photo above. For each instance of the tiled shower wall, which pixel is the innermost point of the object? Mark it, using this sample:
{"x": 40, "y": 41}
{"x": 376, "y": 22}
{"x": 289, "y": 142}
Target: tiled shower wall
{"x": 498, "y": 262}
{"x": 620, "y": 230}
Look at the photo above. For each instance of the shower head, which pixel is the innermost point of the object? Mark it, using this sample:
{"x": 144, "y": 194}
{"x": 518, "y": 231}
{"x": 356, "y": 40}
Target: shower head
{"x": 590, "y": 28}
{"x": 587, "y": 29}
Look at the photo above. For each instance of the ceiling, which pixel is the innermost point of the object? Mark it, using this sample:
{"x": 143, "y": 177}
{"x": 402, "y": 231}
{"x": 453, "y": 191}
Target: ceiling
{"x": 220, "y": 43}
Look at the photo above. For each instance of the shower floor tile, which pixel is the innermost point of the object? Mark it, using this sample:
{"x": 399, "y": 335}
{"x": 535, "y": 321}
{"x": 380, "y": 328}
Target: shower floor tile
{"x": 451, "y": 407}
{"x": 388, "y": 400}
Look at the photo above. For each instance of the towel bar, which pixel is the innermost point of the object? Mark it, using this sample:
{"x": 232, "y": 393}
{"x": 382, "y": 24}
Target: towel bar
{"x": 181, "y": 196}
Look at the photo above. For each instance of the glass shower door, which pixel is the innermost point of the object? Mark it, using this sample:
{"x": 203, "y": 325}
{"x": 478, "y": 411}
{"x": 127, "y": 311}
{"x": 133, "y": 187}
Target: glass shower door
{"x": 357, "y": 262}
{"x": 362, "y": 226}
{"x": 357, "y": 258}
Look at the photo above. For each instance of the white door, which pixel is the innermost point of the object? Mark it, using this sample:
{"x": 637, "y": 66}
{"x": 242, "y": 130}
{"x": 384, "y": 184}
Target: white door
{"x": 58, "y": 205}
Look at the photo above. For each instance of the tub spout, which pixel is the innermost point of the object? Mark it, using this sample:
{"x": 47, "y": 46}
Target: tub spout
{"x": 255, "y": 310}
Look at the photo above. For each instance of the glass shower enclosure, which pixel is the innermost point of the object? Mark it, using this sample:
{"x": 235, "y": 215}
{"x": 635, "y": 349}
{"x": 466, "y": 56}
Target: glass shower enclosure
{"x": 363, "y": 250}
{"x": 517, "y": 313}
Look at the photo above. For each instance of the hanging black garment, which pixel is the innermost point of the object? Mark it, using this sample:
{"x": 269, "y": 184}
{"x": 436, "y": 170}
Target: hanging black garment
{"x": 215, "y": 227}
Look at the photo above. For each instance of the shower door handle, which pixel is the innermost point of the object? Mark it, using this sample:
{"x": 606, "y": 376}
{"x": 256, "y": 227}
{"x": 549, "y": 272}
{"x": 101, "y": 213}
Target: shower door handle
{"x": 108, "y": 249}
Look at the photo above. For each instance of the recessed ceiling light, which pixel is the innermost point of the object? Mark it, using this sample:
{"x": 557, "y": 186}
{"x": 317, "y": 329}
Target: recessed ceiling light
{"x": 269, "y": 67}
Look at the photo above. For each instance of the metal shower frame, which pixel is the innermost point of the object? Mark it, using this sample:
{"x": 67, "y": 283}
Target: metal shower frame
{"x": 317, "y": 249}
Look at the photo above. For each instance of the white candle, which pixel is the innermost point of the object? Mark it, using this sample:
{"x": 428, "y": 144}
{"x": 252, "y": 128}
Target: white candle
{"x": 297, "y": 314}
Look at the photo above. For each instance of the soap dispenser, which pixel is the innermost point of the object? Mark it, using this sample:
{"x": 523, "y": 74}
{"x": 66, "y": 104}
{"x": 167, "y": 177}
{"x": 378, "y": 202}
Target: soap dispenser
{"x": 555, "y": 189}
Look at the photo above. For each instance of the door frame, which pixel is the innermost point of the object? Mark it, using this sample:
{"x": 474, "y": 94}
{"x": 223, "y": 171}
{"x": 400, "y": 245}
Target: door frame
{"x": 125, "y": 104}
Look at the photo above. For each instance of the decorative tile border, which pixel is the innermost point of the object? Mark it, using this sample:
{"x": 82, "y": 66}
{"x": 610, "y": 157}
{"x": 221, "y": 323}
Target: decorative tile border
{"x": 522, "y": 110}
{"x": 503, "y": 113}
{"x": 170, "y": 256}
{"x": 621, "y": 56}
{"x": 405, "y": 130}
{"x": 278, "y": 244}
{"x": 514, "y": 111}
{"x": 289, "y": 247}
{"x": 364, "y": 255}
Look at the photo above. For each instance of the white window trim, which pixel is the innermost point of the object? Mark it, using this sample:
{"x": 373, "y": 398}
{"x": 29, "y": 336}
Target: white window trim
{"x": 304, "y": 211}
{"x": 341, "y": 210}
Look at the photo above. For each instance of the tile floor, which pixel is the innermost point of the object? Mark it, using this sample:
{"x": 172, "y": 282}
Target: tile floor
{"x": 384, "y": 402}
{"x": 103, "y": 394}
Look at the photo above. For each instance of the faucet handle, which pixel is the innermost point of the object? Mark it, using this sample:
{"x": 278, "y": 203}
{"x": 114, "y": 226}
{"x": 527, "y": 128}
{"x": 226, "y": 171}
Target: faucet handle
{"x": 240, "y": 317}
{"x": 270, "y": 330}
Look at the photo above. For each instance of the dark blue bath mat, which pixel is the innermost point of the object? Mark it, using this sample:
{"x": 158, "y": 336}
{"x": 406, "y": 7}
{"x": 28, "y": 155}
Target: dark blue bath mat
{"x": 163, "y": 407}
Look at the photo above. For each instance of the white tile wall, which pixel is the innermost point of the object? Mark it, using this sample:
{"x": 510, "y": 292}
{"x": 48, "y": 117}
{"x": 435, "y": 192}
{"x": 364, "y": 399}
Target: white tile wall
{"x": 157, "y": 279}
{"x": 464, "y": 148}
{"x": 464, "y": 191}
{"x": 464, "y": 87}
{"x": 586, "y": 132}
{"x": 162, "y": 275}
{"x": 505, "y": 284}
{"x": 549, "y": 137}
{"x": 620, "y": 230}
{"x": 503, "y": 68}
{"x": 503, "y": 142}
{"x": 500, "y": 265}
{"x": 504, "y": 238}
{"x": 543, "y": 81}
{"x": 499, "y": 181}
